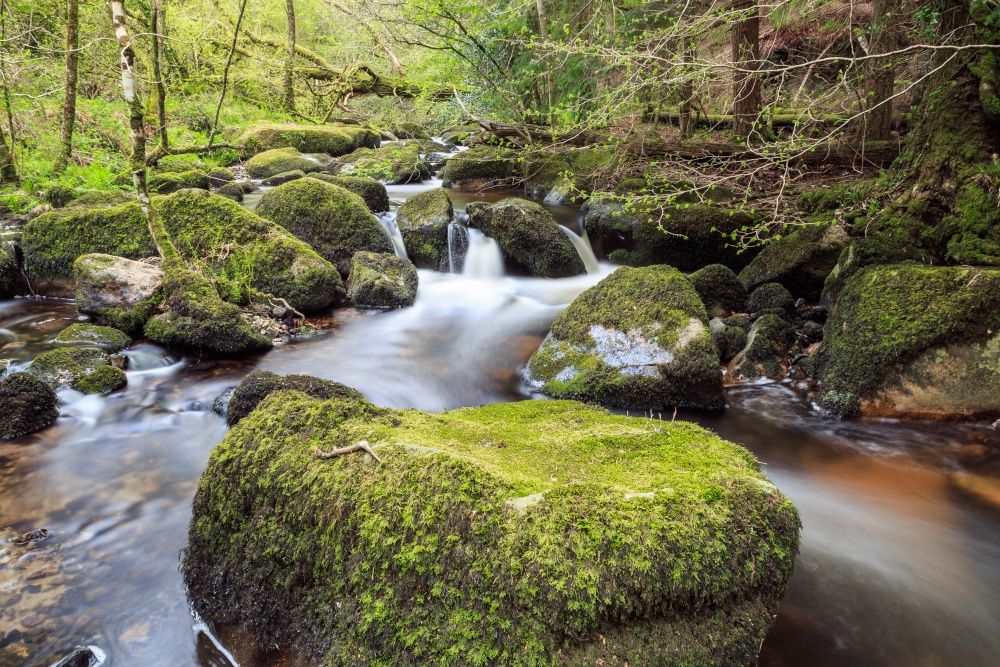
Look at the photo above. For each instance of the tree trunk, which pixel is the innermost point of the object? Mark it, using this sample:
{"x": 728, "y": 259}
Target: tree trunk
{"x": 158, "y": 21}
{"x": 290, "y": 56}
{"x": 543, "y": 29}
{"x": 881, "y": 73}
{"x": 69, "y": 95}
{"x": 225, "y": 73}
{"x": 8, "y": 170}
{"x": 686, "y": 92}
{"x": 746, "y": 56}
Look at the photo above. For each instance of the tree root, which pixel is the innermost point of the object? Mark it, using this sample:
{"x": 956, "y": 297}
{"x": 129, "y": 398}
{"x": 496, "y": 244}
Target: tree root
{"x": 362, "y": 446}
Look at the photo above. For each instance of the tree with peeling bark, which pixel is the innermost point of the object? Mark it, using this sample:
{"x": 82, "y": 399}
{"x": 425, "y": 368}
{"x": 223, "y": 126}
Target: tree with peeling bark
{"x": 69, "y": 94}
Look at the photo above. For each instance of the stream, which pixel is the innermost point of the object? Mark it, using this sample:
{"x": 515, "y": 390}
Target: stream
{"x": 898, "y": 566}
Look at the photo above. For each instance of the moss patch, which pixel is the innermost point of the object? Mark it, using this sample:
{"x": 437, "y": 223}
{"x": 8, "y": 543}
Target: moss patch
{"x": 102, "y": 381}
{"x": 392, "y": 163}
{"x": 258, "y": 385}
{"x": 719, "y": 289}
{"x": 372, "y": 191}
{"x": 481, "y": 166}
{"x": 330, "y": 139}
{"x": 423, "y": 221}
{"x": 10, "y": 272}
{"x": 801, "y": 261}
{"x": 380, "y": 280}
{"x": 106, "y": 338}
{"x": 27, "y": 404}
{"x": 166, "y": 183}
{"x": 68, "y": 365}
{"x": 280, "y": 161}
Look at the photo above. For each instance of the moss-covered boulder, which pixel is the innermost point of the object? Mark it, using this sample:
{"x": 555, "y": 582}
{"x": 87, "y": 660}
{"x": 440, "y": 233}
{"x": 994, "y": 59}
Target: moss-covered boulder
{"x": 280, "y": 161}
{"x": 118, "y": 292}
{"x": 108, "y": 339}
{"x": 770, "y": 298}
{"x": 481, "y": 167}
{"x": 410, "y": 130}
{"x": 165, "y": 183}
{"x": 393, "y": 163}
{"x": 283, "y": 177}
{"x": 330, "y": 139}
{"x": 27, "y": 404}
{"x": 766, "y": 351}
{"x": 381, "y": 280}
{"x": 530, "y": 239}
{"x": 67, "y": 366}
{"x": 867, "y": 251}
{"x": 521, "y": 534}
{"x": 219, "y": 176}
{"x": 914, "y": 341}
{"x": 637, "y": 339}
{"x": 244, "y": 251}
{"x": 800, "y": 261}
{"x": 331, "y": 219}
{"x": 10, "y": 272}
{"x": 232, "y": 191}
{"x": 423, "y": 221}
{"x": 719, "y": 289}
{"x": 102, "y": 381}
{"x": 260, "y": 384}
{"x": 688, "y": 236}
{"x": 372, "y": 191}
{"x": 730, "y": 340}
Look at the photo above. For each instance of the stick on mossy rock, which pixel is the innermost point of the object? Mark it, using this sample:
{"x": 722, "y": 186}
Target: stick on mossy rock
{"x": 529, "y": 237}
{"x": 372, "y": 191}
{"x": 108, "y": 339}
{"x": 280, "y": 161}
{"x": 381, "y": 280}
{"x": 638, "y": 339}
{"x": 515, "y": 534}
{"x": 331, "y": 139}
{"x": 27, "y": 404}
{"x": 914, "y": 341}
{"x": 423, "y": 221}
{"x": 118, "y": 292}
{"x": 331, "y": 219}
{"x": 258, "y": 385}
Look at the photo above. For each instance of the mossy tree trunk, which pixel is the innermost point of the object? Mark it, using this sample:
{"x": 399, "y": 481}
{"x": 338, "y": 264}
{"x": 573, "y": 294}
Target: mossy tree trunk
{"x": 8, "y": 170}
{"x": 158, "y": 21}
{"x": 290, "y": 56}
{"x": 543, "y": 30}
{"x": 69, "y": 95}
{"x": 745, "y": 56}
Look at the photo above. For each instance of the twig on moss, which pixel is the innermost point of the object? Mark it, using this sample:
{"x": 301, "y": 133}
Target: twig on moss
{"x": 362, "y": 446}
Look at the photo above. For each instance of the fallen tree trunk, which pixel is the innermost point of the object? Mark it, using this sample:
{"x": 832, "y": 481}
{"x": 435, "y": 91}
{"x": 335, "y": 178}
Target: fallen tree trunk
{"x": 872, "y": 153}
{"x": 778, "y": 120}
{"x": 540, "y": 133}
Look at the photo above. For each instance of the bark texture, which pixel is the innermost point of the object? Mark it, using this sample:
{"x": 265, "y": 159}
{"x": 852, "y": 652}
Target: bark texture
{"x": 746, "y": 56}
{"x": 69, "y": 95}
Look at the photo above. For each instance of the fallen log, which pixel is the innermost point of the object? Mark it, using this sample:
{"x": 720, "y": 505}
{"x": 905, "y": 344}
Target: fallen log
{"x": 778, "y": 120}
{"x": 872, "y": 153}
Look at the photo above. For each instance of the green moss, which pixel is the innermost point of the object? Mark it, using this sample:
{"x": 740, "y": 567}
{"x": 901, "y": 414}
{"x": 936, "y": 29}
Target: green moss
{"x": 432, "y": 207}
{"x": 766, "y": 351}
{"x": 102, "y": 381}
{"x": 219, "y": 176}
{"x": 107, "y": 338}
{"x": 730, "y": 341}
{"x": 770, "y": 296}
{"x": 392, "y": 163}
{"x": 423, "y": 221}
{"x": 409, "y": 130}
{"x": 529, "y": 237}
{"x": 479, "y": 166}
{"x": 372, "y": 191}
{"x": 258, "y": 385}
{"x": 333, "y": 140}
{"x": 380, "y": 280}
{"x": 283, "y": 177}
{"x": 862, "y": 252}
{"x": 719, "y": 289}
{"x": 887, "y": 315}
{"x": 801, "y": 261}
{"x": 280, "y": 161}
{"x": 59, "y": 195}
{"x": 67, "y": 365}
{"x": 232, "y": 191}
{"x": 102, "y": 198}
{"x": 334, "y": 221}
{"x": 525, "y": 534}
{"x": 825, "y": 200}
{"x": 27, "y": 404}
{"x": 165, "y": 183}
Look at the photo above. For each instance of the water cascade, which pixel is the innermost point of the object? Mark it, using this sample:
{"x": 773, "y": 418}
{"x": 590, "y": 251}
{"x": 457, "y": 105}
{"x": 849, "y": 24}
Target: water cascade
{"x": 582, "y": 245}
{"x": 388, "y": 222}
{"x": 458, "y": 247}
{"x": 483, "y": 259}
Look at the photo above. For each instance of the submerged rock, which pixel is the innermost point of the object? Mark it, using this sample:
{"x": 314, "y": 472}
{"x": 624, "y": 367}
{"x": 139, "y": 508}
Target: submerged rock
{"x": 381, "y": 280}
{"x": 103, "y": 380}
{"x": 393, "y": 163}
{"x": 372, "y": 191}
{"x": 914, "y": 341}
{"x": 504, "y": 520}
{"x": 107, "y": 338}
{"x": 423, "y": 221}
{"x": 638, "y": 339}
{"x": 258, "y": 385}
{"x": 10, "y": 272}
{"x": 116, "y": 291}
{"x": 330, "y": 139}
{"x": 280, "y": 161}
{"x": 481, "y": 167}
{"x": 800, "y": 261}
{"x": 529, "y": 237}
{"x": 27, "y": 404}
{"x": 331, "y": 219}
{"x": 719, "y": 289}
{"x": 67, "y": 366}
{"x": 82, "y": 656}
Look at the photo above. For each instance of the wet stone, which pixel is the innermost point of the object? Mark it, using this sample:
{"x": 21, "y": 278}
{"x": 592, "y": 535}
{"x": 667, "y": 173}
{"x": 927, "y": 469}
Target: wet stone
{"x": 32, "y": 536}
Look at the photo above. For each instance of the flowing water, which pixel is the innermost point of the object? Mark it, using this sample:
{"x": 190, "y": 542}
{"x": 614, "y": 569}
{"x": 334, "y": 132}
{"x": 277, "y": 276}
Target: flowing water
{"x": 899, "y": 566}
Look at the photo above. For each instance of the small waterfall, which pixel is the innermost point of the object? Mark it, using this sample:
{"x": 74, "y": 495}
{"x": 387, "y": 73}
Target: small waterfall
{"x": 582, "y": 245}
{"x": 388, "y": 222}
{"x": 483, "y": 259}
{"x": 458, "y": 247}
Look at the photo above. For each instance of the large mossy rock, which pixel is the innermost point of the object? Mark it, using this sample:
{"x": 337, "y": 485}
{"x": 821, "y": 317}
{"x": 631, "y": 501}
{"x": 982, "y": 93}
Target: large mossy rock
{"x": 381, "y": 280}
{"x": 108, "y": 339}
{"x": 393, "y": 163}
{"x": 372, "y": 191}
{"x": 67, "y": 366}
{"x": 118, "y": 292}
{"x": 165, "y": 183}
{"x": 331, "y": 219}
{"x": 281, "y": 161}
{"x": 481, "y": 167}
{"x": 330, "y": 139}
{"x": 914, "y": 341}
{"x": 800, "y": 261}
{"x": 565, "y": 176}
{"x": 260, "y": 384}
{"x": 423, "y": 221}
{"x": 637, "y": 339}
{"x": 10, "y": 272}
{"x": 719, "y": 289}
{"x": 516, "y": 534}
{"x": 529, "y": 237}
{"x": 687, "y": 237}
{"x": 27, "y": 404}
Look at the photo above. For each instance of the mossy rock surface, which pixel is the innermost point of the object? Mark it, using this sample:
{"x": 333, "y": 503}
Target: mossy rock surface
{"x": 330, "y": 139}
{"x": 894, "y": 325}
{"x": 333, "y": 220}
{"x": 219, "y": 176}
{"x": 568, "y": 176}
{"x": 66, "y": 366}
{"x": 479, "y": 167}
{"x": 102, "y": 381}
{"x": 410, "y": 130}
{"x": 423, "y": 221}
{"x": 280, "y": 161}
{"x": 531, "y": 533}
{"x": 801, "y": 261}
{"x": 10, "y": 272}
{"x": 637, "y": 339}
{"x": 393, "y": 163}
{"x": 283, "y": 177}
{"x": 165, "y": 183}
{"x": 770, "y": 297}
{"x": 766, "y": 350}
{"x": 232, "y": 191}
{"x": 381, "y": 280}
{"x": 106, "y": 338}
{"x": 117, "y": 292}
{"x": 372, "y": 191}
{"x": 432, "y": 207}
{"x": 244, "y": 251}
{"x": 719, "y": 289}
{"x": 27, "y": 404}
{"x": 260, "y": 384}
{"x": 102, "y": 198}
{"x": 530, "y": 239}
{"x": 729, "y": 340}
{"x": 862, "y": 252}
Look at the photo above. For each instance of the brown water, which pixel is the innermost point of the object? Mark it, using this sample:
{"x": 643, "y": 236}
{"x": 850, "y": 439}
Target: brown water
{"x": 899, "y": 565}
